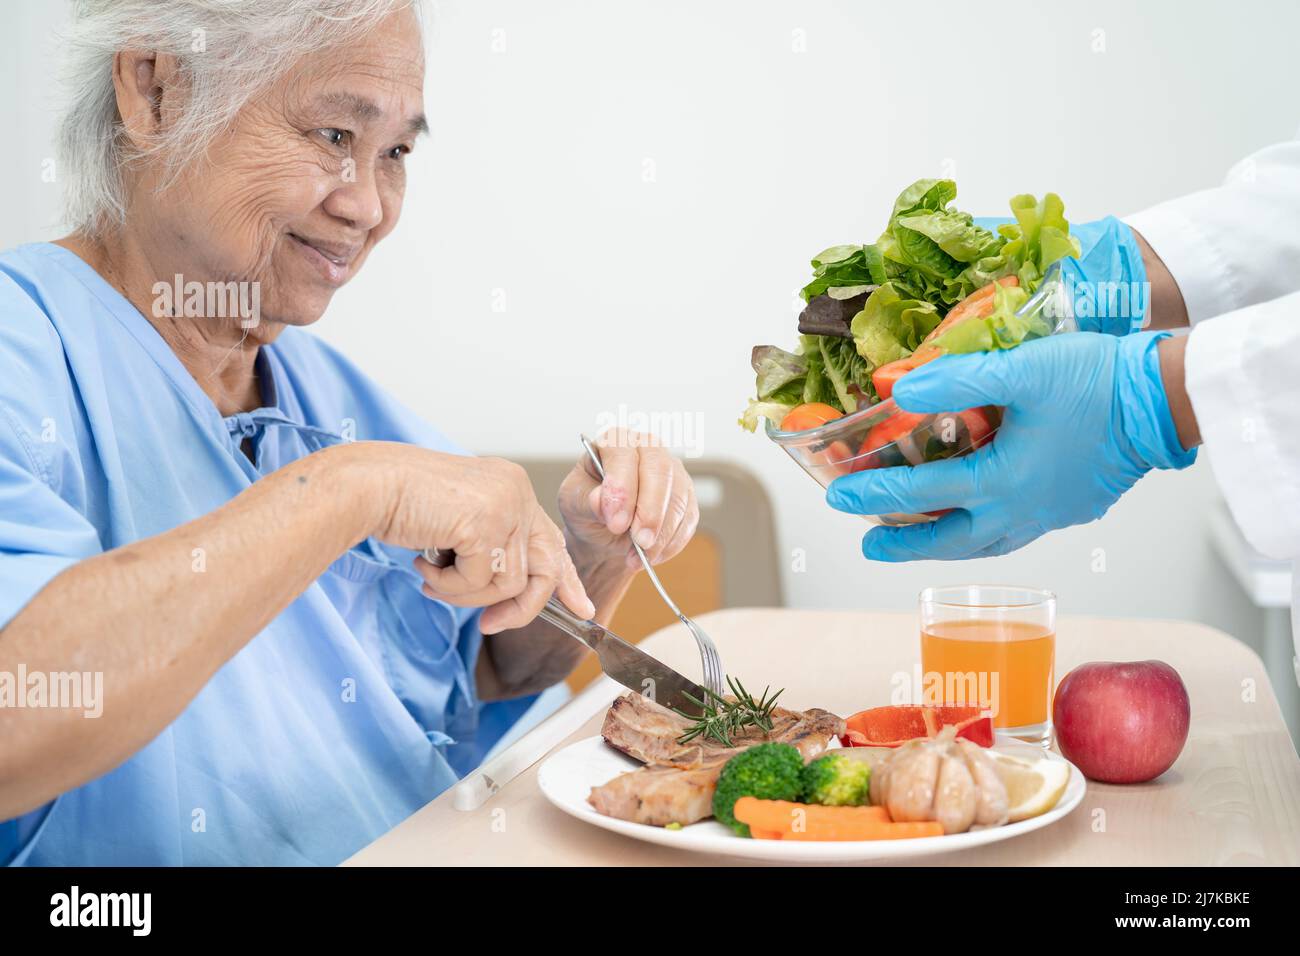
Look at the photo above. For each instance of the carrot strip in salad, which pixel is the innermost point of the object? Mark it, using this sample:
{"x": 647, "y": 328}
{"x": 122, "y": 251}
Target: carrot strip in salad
{"x": 977, "y": 305}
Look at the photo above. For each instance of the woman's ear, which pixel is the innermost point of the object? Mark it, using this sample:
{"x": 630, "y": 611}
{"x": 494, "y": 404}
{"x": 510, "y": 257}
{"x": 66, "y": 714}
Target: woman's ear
{"x": 146, "y": 86}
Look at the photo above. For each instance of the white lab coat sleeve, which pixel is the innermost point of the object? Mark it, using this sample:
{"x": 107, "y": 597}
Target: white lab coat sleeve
{"x": 1243, "y": 378}
{"x": 1235, "y": 245}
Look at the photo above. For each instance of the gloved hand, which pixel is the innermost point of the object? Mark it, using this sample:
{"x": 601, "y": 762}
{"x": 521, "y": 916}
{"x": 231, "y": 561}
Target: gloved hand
{"x": 1085, "y": 417}
{"x": 1111, "y": 293}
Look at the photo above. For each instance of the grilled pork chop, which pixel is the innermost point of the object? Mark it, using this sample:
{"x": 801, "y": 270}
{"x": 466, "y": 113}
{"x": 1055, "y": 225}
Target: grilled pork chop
{"x": 677, "y": 783}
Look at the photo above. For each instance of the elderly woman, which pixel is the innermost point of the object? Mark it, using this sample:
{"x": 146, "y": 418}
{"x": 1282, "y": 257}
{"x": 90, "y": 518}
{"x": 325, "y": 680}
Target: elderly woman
{"x": 219, "y": 513}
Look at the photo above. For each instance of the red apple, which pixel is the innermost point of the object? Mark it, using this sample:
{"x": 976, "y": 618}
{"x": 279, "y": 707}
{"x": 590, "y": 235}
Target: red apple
{"x": 1122, "y": 722}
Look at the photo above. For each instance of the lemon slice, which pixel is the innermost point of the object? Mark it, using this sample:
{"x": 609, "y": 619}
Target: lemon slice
{"x": 1033, "y": 786}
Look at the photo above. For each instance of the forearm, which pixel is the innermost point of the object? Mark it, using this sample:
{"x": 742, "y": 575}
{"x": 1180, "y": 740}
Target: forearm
{"x": 1172, "y": 352}
{"x": 158, "y": 617}
{"x": 1167, "y": 308}
{"x": 531, "y": 658}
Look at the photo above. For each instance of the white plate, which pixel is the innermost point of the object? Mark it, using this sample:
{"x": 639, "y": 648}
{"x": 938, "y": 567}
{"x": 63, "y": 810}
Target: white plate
{"x": 567, "y": 776}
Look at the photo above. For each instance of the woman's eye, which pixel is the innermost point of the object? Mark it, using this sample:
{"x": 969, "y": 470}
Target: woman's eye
{"x": 397, "y": 152}
{"x": 335, "y": 137}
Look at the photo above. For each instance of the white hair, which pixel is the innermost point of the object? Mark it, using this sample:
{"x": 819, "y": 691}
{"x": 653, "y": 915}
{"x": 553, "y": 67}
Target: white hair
{"x": 228, "y": 50}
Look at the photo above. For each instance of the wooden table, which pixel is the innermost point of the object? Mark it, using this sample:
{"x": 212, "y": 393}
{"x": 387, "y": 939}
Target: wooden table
{"x": 1233, "y": 797}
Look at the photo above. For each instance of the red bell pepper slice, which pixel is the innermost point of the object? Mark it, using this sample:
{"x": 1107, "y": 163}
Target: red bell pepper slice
{"x": 895, "y": 725}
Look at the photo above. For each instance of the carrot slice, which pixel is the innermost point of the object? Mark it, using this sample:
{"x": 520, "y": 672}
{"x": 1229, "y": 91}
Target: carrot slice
{"x": 782, "y": 815}
{"x": 876, "y": 831}
{"x": 978, "y": 304}
{"x": 783, "y": 820}
{"x": 886, "y": 377}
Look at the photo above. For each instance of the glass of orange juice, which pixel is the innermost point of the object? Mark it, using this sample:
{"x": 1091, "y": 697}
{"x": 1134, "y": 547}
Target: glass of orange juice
{"x": 995, "y": 648}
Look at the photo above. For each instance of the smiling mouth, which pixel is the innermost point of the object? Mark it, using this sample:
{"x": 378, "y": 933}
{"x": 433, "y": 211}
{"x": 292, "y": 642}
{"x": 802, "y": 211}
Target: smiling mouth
{"x": 337, "y": 256}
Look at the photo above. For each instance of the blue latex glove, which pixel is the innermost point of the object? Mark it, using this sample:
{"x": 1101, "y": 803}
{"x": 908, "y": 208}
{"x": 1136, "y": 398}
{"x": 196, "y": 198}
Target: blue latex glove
{"x": 1085, "y": 417}
{"x": 1111, "y": 293}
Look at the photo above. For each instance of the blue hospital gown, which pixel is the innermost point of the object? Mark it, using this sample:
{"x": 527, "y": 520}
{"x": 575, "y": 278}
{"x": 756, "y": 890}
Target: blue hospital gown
{"x": 349, "y": 711}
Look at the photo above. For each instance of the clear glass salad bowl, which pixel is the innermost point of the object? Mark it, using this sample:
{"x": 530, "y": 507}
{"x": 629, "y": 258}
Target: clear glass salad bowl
{"x": 884, "y": 435}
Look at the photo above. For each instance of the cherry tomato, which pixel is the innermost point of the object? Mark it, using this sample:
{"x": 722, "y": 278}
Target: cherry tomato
{"x": 890, "y": 432}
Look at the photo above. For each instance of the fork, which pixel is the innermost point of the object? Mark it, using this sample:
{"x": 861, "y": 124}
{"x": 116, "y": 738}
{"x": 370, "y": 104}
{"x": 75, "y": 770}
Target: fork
{"x": 709, "y": 659}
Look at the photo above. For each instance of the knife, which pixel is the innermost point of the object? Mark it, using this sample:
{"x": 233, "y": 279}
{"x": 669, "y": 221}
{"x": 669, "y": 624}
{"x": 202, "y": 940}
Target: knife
{"x": 622, "y": 662}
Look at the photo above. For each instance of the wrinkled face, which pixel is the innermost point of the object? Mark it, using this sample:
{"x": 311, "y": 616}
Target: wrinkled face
{"x": 310, "y": 177}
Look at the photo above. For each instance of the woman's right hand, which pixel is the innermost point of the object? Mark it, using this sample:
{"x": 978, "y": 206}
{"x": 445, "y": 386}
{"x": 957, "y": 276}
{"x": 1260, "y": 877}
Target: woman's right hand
{"x": 510, "y": 556}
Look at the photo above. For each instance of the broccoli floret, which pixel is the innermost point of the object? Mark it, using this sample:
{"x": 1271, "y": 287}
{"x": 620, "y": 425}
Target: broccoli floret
{"x": 766, "y": 771}
{"x": 836, "y": 781}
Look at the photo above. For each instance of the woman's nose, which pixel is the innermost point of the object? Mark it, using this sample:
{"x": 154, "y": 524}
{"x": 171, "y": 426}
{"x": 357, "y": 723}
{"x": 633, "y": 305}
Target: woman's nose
{"x": 357, "y": 200}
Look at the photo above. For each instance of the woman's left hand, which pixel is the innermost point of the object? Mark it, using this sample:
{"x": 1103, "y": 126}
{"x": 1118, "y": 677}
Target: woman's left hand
{"x": 646, "y": 490}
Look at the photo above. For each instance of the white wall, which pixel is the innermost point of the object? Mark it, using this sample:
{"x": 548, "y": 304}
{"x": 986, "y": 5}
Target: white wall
{"x": 650, "y": 294}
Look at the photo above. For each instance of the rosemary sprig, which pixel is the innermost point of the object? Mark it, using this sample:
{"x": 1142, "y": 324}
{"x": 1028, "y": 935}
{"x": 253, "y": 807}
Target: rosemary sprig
{"x": 720, "y": 718}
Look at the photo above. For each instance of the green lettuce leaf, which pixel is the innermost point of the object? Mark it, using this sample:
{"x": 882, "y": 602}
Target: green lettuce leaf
{"x": 891, "y": 326}
{"x": 834, "y": 256}
{"x": 915, "y": 250}
{"x": 846, "y": 291}
{"x": 757, "y": 410}
{"x": 927, "y": 246}
{"x": 844, "y": 267}
{"x": 848, "y": 373}
{"x": 976, "y": 276}
{"x": 924, "y": 194}
{"x": 955, "y": 233}
{"x": 1002, "y": 329}
{"x": 790, "y": 393}
{"x": 777, "y": 371}
{"x": 781, "y": 378}
{"x": 1039, "y": 236}
{"x": 817, "y": 387}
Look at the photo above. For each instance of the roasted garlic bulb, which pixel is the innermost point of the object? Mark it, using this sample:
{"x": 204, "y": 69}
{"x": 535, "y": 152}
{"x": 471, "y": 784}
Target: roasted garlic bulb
{"x": 942, "y": 778}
